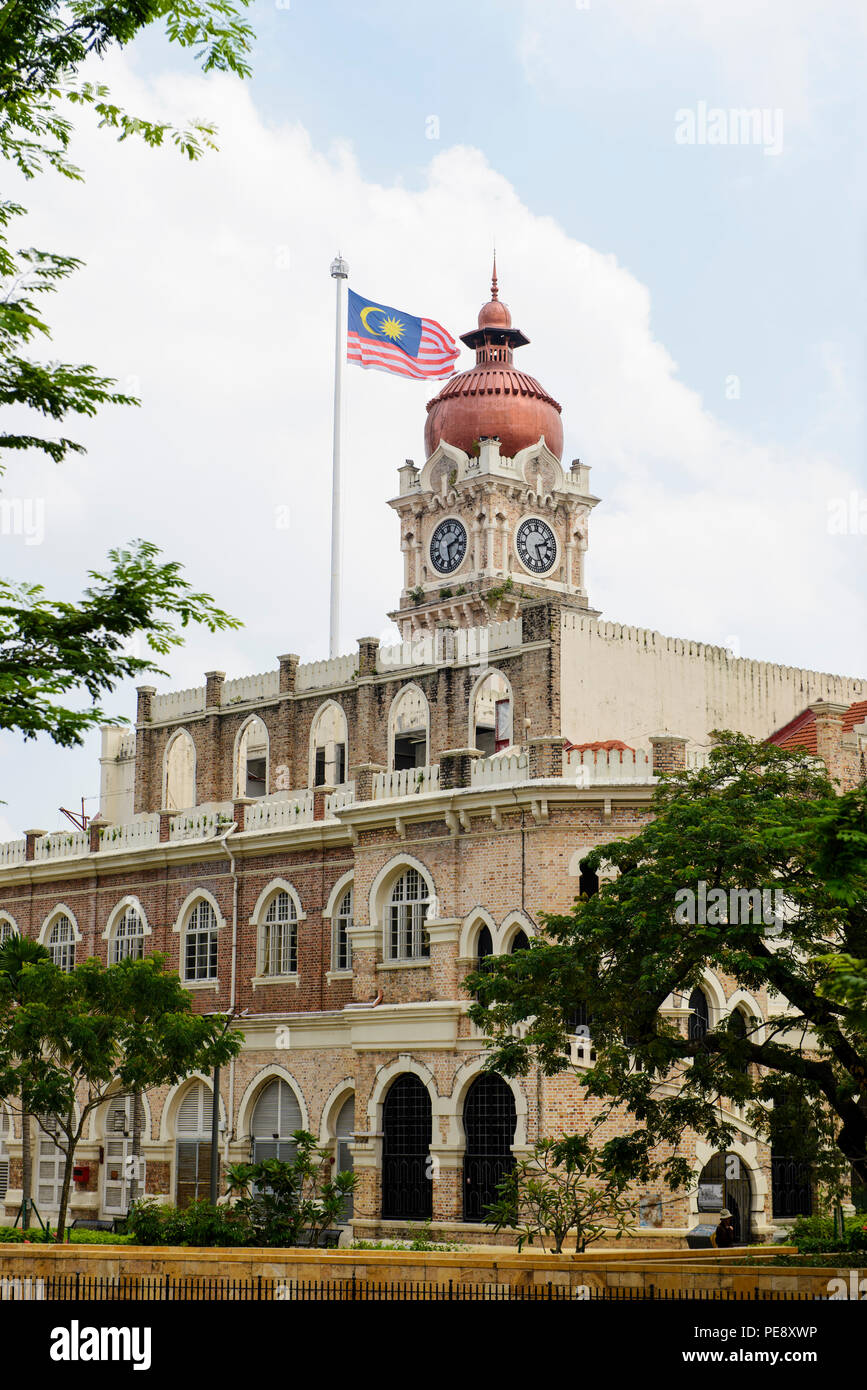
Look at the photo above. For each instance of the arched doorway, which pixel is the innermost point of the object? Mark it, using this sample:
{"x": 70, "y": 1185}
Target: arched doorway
{"x": 407, "y": 1193}
{"x": 489, "y": 1126}
{"x": 725, "y": 1182}
{"x": 344, "y": 1128}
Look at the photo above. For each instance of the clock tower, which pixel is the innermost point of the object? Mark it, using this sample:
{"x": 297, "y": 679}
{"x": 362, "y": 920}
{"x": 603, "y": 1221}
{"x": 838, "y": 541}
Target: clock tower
{"x": 492, "y": 520}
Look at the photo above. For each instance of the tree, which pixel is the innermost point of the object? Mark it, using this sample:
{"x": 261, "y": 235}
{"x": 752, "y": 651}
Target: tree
{"x": 43, "y": 47}
{"x": 564, "y": 1186}
{"x": 16, "y": 953}
{"x": 758, "y": 819}
{"x": 69, "y": 1040}
{"x": 277, "y": 1200}
{"x": 51, "y": 647}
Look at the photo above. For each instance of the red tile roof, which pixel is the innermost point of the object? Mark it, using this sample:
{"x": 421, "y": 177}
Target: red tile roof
{"x": 600, "y": 745}
{"x": 800, "y": 732}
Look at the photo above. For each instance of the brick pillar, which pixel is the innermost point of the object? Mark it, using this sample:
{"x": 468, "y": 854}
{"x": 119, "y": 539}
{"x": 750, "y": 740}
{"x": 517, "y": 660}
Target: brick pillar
{"x": 94, "y": 831}
{"x": 239, "y": 809}
{"x": 456, "y": 767}
{"x": 165, "y": 824}
{"x": 362, "y": 775}
{"x": 30, "y": 838}
{"x": 319, "y": 795}
{"x": 669, "y": 753}
{"x": 448, "y": 1184}
{"x": 829, "y": 735}
{"x": 213, "y": 688}
{"x": 546, "y": 755}
{"x": 288, "y": 672}
{"x": 144, "y": 696}
{"x": 368, "y": 650}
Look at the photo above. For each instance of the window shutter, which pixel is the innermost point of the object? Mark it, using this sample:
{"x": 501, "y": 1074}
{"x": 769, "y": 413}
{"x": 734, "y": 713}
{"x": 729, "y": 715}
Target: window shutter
{"x": 192, "y": 1116}
{"x": 346, "y": 1119}
{"x": 4, "y": 1176}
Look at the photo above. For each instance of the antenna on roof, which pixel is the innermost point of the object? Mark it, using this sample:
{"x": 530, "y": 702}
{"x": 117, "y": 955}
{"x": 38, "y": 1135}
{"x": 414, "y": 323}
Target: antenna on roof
{"x": 79, "y": 819}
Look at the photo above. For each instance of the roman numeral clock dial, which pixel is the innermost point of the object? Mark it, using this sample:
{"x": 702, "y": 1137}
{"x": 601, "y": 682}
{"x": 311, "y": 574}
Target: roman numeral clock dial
{"x": 536, "y": 545}
{"x": 448, "y": 546}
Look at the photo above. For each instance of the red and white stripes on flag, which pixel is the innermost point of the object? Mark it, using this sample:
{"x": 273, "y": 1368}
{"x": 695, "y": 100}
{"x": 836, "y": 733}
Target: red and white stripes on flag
{"x": 436, "y": 357}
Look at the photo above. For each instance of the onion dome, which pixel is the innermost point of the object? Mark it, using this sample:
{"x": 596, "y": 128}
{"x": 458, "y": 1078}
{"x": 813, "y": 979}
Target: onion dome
{"x": 492, "y": 399}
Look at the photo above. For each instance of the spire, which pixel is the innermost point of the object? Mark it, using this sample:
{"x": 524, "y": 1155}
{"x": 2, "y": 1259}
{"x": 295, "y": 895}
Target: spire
{"x": 495, "y": 294}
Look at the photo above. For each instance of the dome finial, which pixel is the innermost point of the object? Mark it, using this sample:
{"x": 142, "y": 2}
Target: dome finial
{"x": 495, "y": 293}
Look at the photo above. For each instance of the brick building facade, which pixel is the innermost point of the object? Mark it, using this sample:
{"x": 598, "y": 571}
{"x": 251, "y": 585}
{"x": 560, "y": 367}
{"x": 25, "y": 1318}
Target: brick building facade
{"x": 328, "y": 848}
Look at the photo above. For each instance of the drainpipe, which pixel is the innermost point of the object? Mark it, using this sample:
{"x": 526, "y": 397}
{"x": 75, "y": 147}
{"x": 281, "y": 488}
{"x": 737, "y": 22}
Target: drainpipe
{"x": 222, "y": 840}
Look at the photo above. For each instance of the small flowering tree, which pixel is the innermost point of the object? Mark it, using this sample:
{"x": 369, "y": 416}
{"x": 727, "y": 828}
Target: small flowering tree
{"x": 563, "y": 1187}
{"x": 278, "y": 1200}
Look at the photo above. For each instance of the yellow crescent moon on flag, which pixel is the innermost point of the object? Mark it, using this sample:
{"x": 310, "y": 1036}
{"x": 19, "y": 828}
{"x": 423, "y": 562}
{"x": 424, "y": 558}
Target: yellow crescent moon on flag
{"x": 370, "y": 309}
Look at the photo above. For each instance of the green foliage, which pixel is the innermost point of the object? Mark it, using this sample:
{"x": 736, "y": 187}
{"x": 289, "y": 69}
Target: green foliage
{"x": 49, "y": 648}
{"x": 757, "y": 817}
{"x": 13, "y": 1235}
{"x": 278, "y": 1200}
{"x": 420, "y": 1239}
{"x": 200, "y": 1223}
{"x": 69, "y": 1039}
{"x": 417, "y": 595}
{"x": 816, "y": 1235}
{"x": 562, "y": 1187}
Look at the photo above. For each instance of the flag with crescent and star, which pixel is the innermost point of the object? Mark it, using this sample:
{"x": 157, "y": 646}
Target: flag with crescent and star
{"x": 388, "y": 340}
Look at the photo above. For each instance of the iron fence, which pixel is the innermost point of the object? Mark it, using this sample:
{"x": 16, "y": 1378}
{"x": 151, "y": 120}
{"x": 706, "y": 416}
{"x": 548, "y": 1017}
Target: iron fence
{"x": 170, "y": 1288}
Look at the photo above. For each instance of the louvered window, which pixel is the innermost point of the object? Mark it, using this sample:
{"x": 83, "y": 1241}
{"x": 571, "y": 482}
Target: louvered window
{"x": 280, "y": 937}
{"x": 50, "y": 1159}
{"x": 129, "y": 936}
{"x": 344, "y": 1131}
{"x": 5, "y": 1133}
{"x": 120, "y": 1161}
{"x": 193, "y": 1151}
{"x": 408, "y": 909}
{"x": 61, "y": 944}
{"x": 341, "y": 956}
{"x": 200, "y": 943}
{"x": 276, "y": 1117}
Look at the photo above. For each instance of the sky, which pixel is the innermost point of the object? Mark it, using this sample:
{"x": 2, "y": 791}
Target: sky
{"x": 695, "y": 304}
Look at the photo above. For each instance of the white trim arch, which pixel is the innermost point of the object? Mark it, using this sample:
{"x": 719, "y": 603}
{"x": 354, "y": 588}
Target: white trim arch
{"x": 276, "y": 885}
{"x": 488, "y": 673}
{"x": 61, "y": 910}
{"x": 96, "y": 1125}
{"x": 174, "y": 796}
{"x": 334, "y": 1103}
{"x": 463, "y": 1080}
{"x": 509, "y": 928}
{"x": 389, "y": 1072}
{"x": 7, "y": 920}
{"x": 470, "y": 928}
{"x": 179, "y": 924}
{"x": 335, "y": 897}
{"x": 404, "y": 697}
{"x": 380, "y": 889}
{"x": 749, "y": 1157}
{"x": 336, "y": 732}
{"x": 168, "y": 1118}
{"x": 743, "y": 1002}
{"x": 247, "y": 1104}
{"x": 239, "y": 778}
{"x": 119, "y": 910}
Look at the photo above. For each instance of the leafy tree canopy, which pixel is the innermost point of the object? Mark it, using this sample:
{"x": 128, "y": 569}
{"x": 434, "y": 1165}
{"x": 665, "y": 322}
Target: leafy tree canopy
{"x": 756, "y": 818}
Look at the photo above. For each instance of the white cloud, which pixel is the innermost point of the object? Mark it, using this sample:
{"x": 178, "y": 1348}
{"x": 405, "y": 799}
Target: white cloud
{"x": 208, "y": 287}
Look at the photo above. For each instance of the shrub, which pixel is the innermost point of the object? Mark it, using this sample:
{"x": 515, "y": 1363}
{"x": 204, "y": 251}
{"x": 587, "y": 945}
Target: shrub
{"x": 815, "y": 1235}
{"x": 201, "y": 1223}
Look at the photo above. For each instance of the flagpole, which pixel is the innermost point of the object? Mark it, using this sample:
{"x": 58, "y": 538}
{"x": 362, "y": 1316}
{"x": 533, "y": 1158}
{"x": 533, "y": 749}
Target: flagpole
{"x": 339, "y": 273}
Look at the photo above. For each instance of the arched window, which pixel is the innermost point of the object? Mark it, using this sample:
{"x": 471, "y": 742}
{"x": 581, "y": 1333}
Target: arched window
{"x": 489, "y": 1126}
{"x": 8, "y": 929}
{"x": 61, "y": 943}
{"x": 341, "y": 942}
{"x": 193, "y": 1154}
{"x": 407, "y": 912}
{"x": 699, "y": 1019}
{"x": 328, "y": 744}
{"x": 50, "y": 1163}
{"x": 251, "y": 760}
{"x": 491, "y": 723}
{"x": 579, "y": 1020}
{"x": 276, "y": 1117}
{"x": 344, "y": 1131}
{"x": 179, "y": 774}
{"x": 406, "y": 1139}
{"x": 279, "y": 936}
{"x": 520, "y": 942}
{"x": 200, "y": 942}
{"x": 740, "y": 1028}
{"x": 408, "y": 729}
{"x": 588, "y": 881}
{"x": 5, "y": 1135}
{"x": 484, "y": 948}
{"x": 127, "y": 942}
{"x": 119, "y": 1169}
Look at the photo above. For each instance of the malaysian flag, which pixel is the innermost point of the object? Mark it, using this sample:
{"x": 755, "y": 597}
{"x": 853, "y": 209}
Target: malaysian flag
{"x": 390, "y": 341}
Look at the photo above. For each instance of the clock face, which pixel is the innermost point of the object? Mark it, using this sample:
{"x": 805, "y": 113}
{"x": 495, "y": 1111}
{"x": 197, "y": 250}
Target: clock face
{"x": 537, "y": 545}
{"x": 448, "y": 545}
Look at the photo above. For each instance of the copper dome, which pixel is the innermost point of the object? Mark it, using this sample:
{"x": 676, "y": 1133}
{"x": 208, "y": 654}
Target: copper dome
{"x": 492, "y": 399}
